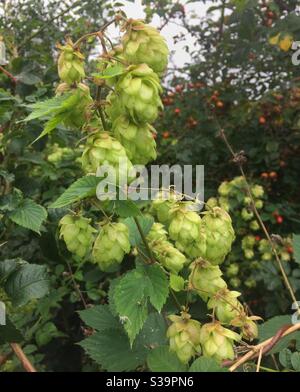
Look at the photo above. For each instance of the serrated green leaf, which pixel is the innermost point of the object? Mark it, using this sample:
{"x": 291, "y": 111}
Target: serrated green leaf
{"x": 156, "y": 285}
{"x": 162, "y": 360}
{"x": 111, "y": 349}
{"x": 153, "y": 333}
{"x": 204, "y": 364}
{"x": 146, "y": 223}
{"x": 285, "y": 358}
{"x": 7, "y": 267}
{"x": 29, "y": 215}
{"x": 111, "y": 72}
{"x": 131, "y": 302}
{"x": 296, "y": 247}
{"x": 80, "y": 189}
{"x": 126, "y": 208}
{"x": 176, "y": 282}
{"x": 99, "y": 317}
{"x": 295, "y": 360}
{"x": 30, "y": 281}
{"x": 45, "y": 108}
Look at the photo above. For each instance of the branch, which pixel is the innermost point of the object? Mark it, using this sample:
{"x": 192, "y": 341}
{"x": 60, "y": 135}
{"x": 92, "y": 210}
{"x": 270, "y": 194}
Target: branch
{"x": 262, "y": 348}
{"x": 8, "y": 74}
{"x": 23, "y": 358}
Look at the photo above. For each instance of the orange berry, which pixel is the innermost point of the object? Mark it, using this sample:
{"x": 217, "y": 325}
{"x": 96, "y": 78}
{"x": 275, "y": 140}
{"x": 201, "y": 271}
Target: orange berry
{"x": 262, "y": 120}
{"x": 290, "y": 249}
{"x": 273, "y": 175}
{"x": 220, "y": 104}
{"x": 166, "y": 134}
{"x": 264, "y": 175}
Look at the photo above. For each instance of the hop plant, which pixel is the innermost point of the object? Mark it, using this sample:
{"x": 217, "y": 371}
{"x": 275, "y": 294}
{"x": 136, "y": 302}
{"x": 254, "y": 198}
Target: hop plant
{"x": 157, "y": 233}
{"x": 219, "y": 235}
{"x": 77, "y": 234}
{"x": 225, "y": 305}
{"x": 143, "y": 44}
{"x": 70, "y": 63}
{"x": 225, "y": 188}
{"x": 163, "y": 204}
{"x": 137, "y": 140}
{"x": 170, "y": 257}
{"x": 184, "y": 335}
{"x": 185, "y": 229}
{"x": 205, "y": 278}
{"x": 111, "y": 245}
{"x": 247, "y": 325}
{"x": 138, "y": 95}
{"x": 101, "y": 149}
{"x": 217, "y": 341}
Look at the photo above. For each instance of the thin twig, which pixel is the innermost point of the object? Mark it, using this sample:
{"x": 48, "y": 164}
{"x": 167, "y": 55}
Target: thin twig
{"x": 27, "y": 365}
{"x": 144, "y": 239}
{"x": 8, "y": 74}
{"x": 274, "y": 251}
{"x": 259, "y": 360}
{"x": 76, "y": 287}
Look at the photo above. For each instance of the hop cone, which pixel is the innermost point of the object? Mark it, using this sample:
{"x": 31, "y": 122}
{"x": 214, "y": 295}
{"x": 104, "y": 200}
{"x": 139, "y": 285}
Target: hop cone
{"x": 185, "y": 230}
{"x": 225, "y": 305}
{"x": 162, "y": 205}
{"x": 111, "y": 245}
{"x": 70, "y": 64}
{"x": 205, "y": 278}
{"x": 78, "y": 110}
{"x": 184, "y": 335}
{"x": 157, "y": 233}
{"x": 77, "y": 234}
{"x": 137, "y": 140}
{"x": 170, "y": 257}
{"x": 143, "y": 44}
{"x": 219, "y": 235}
{"x": 138, "y": 94}
{"x": 101, "y": 148}
{"x": 217, "y": 341}
{"x": 247, "y": 325}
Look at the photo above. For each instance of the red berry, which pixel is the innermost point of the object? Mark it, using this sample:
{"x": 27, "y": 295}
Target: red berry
{"x": 279, "y": 219}
{"x": 290, "y": 249}
{"x": 177, "y": 111}
{"x": 257, "y": 238}
{"x": 262, "y": 120}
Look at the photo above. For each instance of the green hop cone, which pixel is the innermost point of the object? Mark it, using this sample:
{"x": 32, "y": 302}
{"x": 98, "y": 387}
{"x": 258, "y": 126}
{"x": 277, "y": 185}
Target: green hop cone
{"x": 103, "y": 149}
{"x": 246, "y": 214}
{"x": 138, "y": 95}
{"x": 259, "y": 204}
{"x": 77, "y": 234}
{"x": 247, "y": 325}
{"x": 157, "y": 233}
{"x": 70, "y": 64}
{"x": 248, "y": 242}
{"x": 232, "y": 270}
{"x": 225, "y": 188}
{"x": 144, "y": 44}
{"x": 217, "y": 341}
{"x": 225, "y": 305}
{"x": 249, "y": 254}
{"x": 211, "y": 203}
{"x": 185, "y": 230}
{"x": 111, "y": 245}
{"x": 205, "y": 278}
{"x": 224, "y": 203}
{"x": 163, "y": 204}
{"x": 137, "y": 140}
{"x": 235, "y": 282}
{"x": 219, "y": 235}
{"x": 78, "y": 111}
{"x": 254, "y": 225}
{"x": 170, "y": 257}
{"x": 257, "y": 191}
{"x": 184, "y": 335}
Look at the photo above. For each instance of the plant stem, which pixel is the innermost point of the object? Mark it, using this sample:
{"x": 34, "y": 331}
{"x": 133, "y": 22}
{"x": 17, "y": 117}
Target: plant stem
{"x": 144, "y": 239}
{"x": 8, "y": 74}
{"x": 239, "y": 163}
{"x": 27, "y": 365}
